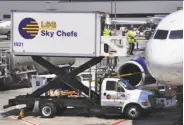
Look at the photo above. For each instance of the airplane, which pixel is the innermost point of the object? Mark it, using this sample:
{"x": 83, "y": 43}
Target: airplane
{"x": 164, "y": 50}
{"x": 164, "y": 55}
{"x": 5, "y": 28}
{"x": 163, "y": 59}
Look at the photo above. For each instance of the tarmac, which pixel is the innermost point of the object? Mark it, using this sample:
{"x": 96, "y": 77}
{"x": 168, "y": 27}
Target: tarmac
{"x": 80, "y": 117}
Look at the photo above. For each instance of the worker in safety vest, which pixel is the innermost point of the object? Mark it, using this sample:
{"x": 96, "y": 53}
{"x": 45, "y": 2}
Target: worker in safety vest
{"x": 107, "y": 31}
{"x": 136, "y": 33}
{"x": 131, "y": 40}
{"x": 113, "y": 30}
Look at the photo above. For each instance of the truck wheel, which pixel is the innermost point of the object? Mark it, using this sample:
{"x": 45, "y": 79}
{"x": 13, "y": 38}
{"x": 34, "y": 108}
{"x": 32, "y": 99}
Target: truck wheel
{"x": 133, "y": 111}
{"x": 48, "y": 110}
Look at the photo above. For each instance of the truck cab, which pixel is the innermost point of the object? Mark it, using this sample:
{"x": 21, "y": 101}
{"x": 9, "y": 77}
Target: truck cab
{"x": 119, "y": 94}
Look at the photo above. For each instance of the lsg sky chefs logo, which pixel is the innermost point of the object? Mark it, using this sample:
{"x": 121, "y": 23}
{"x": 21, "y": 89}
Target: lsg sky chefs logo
{"x": 29, "y": 28}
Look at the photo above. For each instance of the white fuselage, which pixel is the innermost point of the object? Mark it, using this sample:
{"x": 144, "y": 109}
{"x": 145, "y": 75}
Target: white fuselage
{"x": 4, "y": 27}
{"x": 164, "y": 51}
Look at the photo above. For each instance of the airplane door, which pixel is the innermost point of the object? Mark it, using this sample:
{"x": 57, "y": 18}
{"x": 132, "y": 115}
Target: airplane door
{"x": 107, "y": 95}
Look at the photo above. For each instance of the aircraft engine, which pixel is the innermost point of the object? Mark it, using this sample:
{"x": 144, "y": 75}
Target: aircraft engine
{"x": 136, "y": 66}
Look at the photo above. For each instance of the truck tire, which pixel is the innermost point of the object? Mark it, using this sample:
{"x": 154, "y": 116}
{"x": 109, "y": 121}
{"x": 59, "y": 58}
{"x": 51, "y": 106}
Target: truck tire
{"x": 133, "y": 111}
{"x": 48, "y": 110}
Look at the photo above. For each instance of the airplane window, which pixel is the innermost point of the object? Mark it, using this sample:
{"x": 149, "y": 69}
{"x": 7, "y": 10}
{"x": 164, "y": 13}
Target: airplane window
{"x": 176, "y": 34}
{"x": 161, "y": 34}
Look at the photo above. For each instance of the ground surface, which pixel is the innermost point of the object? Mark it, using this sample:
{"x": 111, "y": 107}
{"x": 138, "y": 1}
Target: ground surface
{"x": 79, "y": 117}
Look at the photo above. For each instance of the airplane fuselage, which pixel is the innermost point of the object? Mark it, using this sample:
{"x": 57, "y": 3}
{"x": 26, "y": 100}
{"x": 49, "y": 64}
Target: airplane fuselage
{"x": 164, "y": 50}
{"x": 165, "y": 61}
{"x": 5, "y": 27}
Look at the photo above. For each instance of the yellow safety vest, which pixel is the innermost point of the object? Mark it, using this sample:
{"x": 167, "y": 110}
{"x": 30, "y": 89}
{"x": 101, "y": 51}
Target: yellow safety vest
{"x": 106, "y": 32}
{"x": 131, "y": 37}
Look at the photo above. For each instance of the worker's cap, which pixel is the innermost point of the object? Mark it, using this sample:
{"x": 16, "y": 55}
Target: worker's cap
{"x": 131, "y": 28}
{"x": 112, "y": 26}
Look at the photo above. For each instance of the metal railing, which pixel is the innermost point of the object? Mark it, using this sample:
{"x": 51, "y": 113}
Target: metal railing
{"x": 4, "y": 61}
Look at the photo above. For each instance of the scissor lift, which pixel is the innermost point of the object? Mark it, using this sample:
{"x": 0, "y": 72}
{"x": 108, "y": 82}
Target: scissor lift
{"x": 64, "y": 79}
{"x": 97, "y": 48}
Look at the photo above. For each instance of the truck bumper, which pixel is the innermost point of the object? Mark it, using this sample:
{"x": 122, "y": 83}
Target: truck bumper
{"x": 154, "y": 108}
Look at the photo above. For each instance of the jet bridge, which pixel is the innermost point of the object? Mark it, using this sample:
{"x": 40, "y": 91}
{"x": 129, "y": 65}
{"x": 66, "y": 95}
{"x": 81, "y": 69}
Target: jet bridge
{"x": 46, "y": 34}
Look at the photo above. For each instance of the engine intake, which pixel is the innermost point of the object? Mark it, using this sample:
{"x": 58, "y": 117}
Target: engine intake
{"x": 136, "y": 66}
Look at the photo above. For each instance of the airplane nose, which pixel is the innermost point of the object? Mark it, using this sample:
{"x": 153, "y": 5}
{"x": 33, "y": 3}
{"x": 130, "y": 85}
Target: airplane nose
{"x": 161, "y": 53}
{"x": 164, "y": 60}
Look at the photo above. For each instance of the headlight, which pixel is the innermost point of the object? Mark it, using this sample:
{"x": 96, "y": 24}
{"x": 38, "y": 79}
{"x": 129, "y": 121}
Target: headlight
{"x": 145, "y": 103}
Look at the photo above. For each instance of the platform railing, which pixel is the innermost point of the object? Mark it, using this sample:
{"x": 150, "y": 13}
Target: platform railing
{"x": 114, "y": 46}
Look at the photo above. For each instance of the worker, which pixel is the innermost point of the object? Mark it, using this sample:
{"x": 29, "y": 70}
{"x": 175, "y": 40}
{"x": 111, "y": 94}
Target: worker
{"x": 135, "y": 33}
{"x": 107, "y": 31}
{"x": 131, "y": 40}
{"x": 123, "y": 30}
{"x": 113, "y": 30}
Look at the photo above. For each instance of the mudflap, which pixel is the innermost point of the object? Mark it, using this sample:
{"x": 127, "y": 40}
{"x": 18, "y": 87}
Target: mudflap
{"x": 36, "y": 106}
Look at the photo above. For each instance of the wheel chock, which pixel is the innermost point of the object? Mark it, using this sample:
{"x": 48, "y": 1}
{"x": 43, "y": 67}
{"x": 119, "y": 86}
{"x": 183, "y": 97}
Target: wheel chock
{"x": 21, "y": 114}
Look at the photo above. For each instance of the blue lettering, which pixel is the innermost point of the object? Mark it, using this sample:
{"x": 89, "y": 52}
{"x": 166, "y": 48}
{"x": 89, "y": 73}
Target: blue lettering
{"x": 19, "y": 44}
{"x": 72, "y": 33}
{"x": 51, "y": 34}
{"x": 75, "y": 34}
{"x": 58, "y": 33}
{"x": 43, "y": 33}
{"x": 47, "y": 33}
{"x": 67, "y": 34}
{"x": 63, "y": 33}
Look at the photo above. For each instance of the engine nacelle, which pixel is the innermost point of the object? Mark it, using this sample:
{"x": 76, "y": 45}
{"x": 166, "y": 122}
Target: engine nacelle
{"x": 136, "y": 65}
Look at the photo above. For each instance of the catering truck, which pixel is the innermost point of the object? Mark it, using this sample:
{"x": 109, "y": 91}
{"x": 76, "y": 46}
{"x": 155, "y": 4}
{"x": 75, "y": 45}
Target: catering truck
{"x": 73, "y": 34}
{"x": 117, "y": 96}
